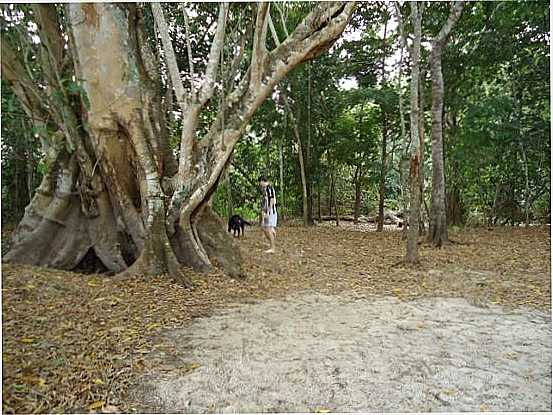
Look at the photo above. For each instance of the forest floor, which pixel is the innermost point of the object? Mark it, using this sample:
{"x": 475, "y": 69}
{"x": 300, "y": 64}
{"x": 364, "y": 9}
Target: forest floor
{"x": 326, "y": 318}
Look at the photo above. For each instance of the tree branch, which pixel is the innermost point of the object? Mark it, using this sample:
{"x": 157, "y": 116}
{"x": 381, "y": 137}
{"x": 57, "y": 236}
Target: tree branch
{"x": 273, "y": 31}
{"x": 401, "y": 28}
{"x": 259, "y": 52}
{"x": 189, "y": 49}
{"x": 234, "y": 66}
{"x": 14, "y": 73}
{"x": 454, "y": 15}
{"x": 214, "y": 56}
{"x": 282, "y": 19}
{"x": 170, "y": 57}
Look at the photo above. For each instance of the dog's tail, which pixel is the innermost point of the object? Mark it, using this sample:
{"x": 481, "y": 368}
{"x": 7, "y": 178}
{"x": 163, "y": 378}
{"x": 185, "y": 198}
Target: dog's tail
{"x": 246, "y": 222}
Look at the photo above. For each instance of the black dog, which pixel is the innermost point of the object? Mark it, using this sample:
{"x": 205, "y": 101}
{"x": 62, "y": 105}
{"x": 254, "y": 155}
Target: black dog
{"x": 236, "y": 223}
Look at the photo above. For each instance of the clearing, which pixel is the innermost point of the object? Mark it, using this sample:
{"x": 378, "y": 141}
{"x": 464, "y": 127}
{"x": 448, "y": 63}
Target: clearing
{"x": 329, "y": 322}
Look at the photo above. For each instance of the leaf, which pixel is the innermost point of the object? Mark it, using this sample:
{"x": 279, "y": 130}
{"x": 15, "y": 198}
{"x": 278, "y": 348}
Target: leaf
{"x": 27, "y": 340}
{"x": 98, "y": 381}
{"x": 96, "y": 405}
{"x": 321, "y": 410}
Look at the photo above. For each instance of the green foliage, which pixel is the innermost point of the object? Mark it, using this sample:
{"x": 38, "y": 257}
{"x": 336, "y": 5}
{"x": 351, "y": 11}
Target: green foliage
{"x": 21, "y": 170}
{"x": 495, "y": 72}
{"x": 496, "y": 115}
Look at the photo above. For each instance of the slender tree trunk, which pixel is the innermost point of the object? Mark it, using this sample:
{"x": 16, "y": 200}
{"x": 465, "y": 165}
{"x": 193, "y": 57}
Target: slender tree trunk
{"x": 305, "y": 207}
{"x": 309, "y": 164}
{"x": 422, "y": 227}
{"x": 357, "y": 188}
{"x": 230, "y": 204}
{"x": 438, "y": 218}
{"x": 402, "y": 161}
{"x": 281, "y": 177}
{"x": 319, "y": 199}
{"x": 516, "y": 116}
{"x": 330, "y": 203}
{"x": 382, "y": 184}
{"x": 412, "y": 254}
{"x": 526, "y": 185}
{"x": 383, "y": 170}
{"x": 357, "y": 208}
{"x": 333, "y": 197}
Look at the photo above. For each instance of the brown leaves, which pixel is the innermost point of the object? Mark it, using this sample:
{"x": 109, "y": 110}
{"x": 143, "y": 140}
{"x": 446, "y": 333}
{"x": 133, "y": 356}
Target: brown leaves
{"x": 72, "y": 345}
{"x": 76, "y": 343}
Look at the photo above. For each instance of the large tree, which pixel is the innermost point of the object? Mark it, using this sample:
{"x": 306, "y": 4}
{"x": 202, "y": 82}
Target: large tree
{"x": 114, "y": 188}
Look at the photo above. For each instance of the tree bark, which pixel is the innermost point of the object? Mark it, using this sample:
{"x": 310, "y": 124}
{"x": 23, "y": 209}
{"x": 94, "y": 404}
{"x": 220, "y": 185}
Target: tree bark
{"x": 437, "y": 234}
{"x": 281, "y": 177}
{"x": 412, "y": 254}
{"x": 526, "y": 185}
{"x": 319, "y": 199}
{"x": 333, "y": 197}
{"x": 304, "y": 195}
{"x": 422, "y": 228}
{"x": 382, "y": 184}
{"x": 357, "y": 185}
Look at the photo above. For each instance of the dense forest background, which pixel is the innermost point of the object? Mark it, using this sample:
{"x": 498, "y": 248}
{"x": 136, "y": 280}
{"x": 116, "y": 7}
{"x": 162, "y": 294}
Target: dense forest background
{"x": 496, "y": 122}
{"x": 349, "y": 112}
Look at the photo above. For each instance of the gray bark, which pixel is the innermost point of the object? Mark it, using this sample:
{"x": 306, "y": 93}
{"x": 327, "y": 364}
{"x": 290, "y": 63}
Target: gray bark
{"x": 382, "y": 187}
{"x": 438, "y": 218}
{"x": 412, "y": 254}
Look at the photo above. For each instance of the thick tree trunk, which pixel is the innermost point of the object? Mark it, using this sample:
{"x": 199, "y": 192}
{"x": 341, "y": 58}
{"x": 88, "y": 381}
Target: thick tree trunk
{"x": 438, "y": 217}
{"x": 113, "y": 187}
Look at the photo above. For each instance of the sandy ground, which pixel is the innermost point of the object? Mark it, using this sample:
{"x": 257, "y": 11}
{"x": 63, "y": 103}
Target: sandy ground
{"x": 314, "y": 352}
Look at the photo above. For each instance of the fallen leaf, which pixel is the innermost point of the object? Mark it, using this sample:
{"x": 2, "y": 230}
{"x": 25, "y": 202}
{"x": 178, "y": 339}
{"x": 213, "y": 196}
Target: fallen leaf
{"x": 96, "y": 405}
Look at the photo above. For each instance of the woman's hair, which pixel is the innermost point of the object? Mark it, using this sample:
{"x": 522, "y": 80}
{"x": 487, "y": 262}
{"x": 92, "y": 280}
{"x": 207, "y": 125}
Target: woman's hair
{"x": 263, "y": 178}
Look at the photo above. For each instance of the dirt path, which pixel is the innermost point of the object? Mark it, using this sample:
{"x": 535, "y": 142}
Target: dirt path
{"x": 314, "y": 352}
